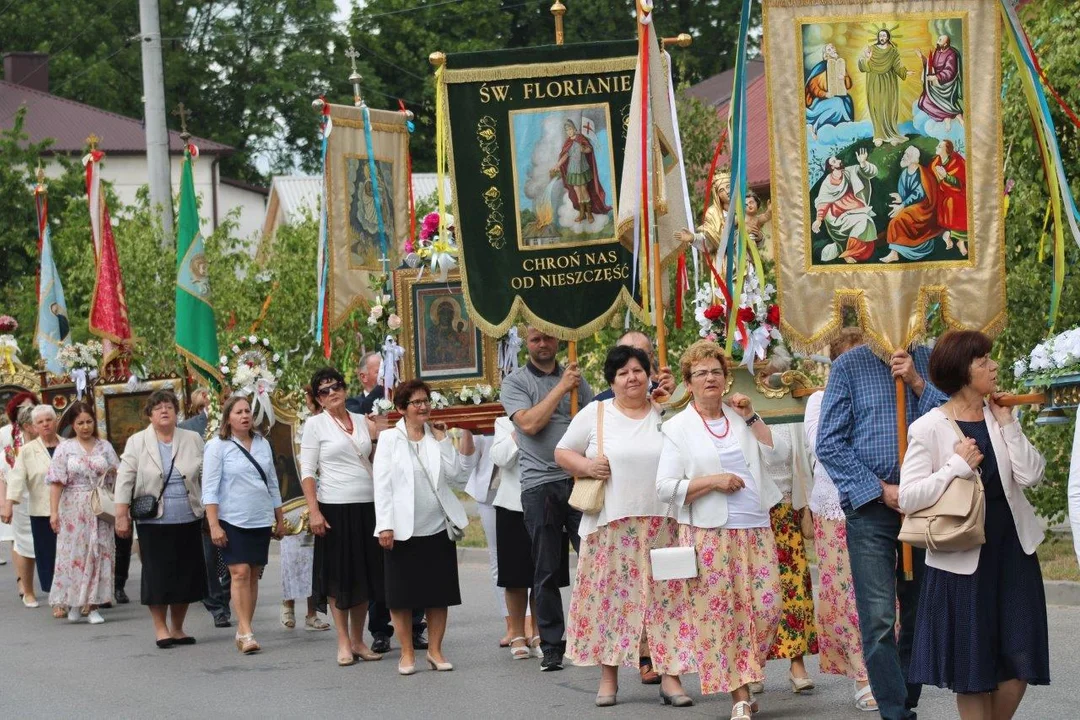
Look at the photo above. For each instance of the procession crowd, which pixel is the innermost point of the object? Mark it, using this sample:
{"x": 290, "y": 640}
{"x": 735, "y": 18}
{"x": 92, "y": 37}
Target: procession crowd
{"x": 713, "y": 482}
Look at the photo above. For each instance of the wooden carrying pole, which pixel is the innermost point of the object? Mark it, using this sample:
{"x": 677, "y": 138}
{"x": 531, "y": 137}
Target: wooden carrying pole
{"x": 901, "y": 435}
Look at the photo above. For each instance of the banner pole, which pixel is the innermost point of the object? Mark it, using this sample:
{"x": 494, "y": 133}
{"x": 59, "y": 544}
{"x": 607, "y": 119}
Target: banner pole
{"x": 901, "y": 435}
{"x": 558, "y": 10}
{"x": 571, "y": 355}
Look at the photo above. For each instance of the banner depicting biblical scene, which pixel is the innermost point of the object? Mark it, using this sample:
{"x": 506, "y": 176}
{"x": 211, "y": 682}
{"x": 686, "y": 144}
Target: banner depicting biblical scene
{"x": 357, "y": 250}
{"x": 886, "y": 157}
{"x": 536, "y": 140}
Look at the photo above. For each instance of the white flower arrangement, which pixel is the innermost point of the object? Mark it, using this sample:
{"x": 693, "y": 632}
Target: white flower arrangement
{"x": 382, "y": 406}
{"x": 476, "y": 394}
{"x": 439, "y": 401}
{"x": 80, "y": 356}
{"x": 1054, "y": 357}
{"x": 253, "y": 371}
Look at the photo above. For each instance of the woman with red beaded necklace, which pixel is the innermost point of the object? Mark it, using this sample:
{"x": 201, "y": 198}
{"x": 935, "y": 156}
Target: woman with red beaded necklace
{"x": 711, "y": 468}
{"x": 335, "y": 467}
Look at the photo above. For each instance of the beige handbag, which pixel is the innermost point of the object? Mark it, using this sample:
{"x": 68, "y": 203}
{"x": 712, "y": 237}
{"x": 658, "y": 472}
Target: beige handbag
{"x": 956, "y": 522}
{"x": 102, "y": 504}
{"x": 588, "y": 493}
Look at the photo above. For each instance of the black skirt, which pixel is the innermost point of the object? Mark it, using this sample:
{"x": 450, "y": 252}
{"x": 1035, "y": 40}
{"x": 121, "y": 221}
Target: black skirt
{"x": 246, "y": 546}
{"x": 975, "y": 631}
{"x": 173, "y": 569}
{"x": 513, "y": 549}
{"x": 422, "y": 572}
{"x": 348, "y": 559}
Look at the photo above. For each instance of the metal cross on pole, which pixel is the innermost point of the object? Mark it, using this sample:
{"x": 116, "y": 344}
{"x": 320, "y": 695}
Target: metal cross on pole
{"x": 183, "y": 113}
{"x": 355, "y": 77}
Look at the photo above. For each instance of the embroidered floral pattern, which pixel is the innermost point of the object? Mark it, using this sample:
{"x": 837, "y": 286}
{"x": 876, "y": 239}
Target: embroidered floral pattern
{"x": 797, "y": 634}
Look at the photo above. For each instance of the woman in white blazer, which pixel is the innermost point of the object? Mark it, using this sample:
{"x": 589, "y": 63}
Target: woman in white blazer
{"x": 981, "y": 628}
{"x": 711, "y": 469}
{"x": 515, "y": 563}
{"x": 416, "y": 513}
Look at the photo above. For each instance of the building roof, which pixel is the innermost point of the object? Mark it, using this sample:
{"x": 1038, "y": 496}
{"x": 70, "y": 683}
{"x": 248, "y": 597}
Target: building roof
{"x": 68, "y": 123}
{"x": 712, "y": 92}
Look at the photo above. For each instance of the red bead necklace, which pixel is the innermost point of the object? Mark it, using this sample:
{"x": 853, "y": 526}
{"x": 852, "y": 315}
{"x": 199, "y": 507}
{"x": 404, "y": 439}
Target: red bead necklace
{"x": 708, "y": 429}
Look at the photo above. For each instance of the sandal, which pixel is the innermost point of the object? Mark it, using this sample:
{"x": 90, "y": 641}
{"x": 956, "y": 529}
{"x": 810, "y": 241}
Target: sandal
{"x": 288, "y": 616}
{"x": 520, "y": 652}
{"x": 741, "y": 710}
{"x": 59, "y": 611}
{"x": 864, "y": 699}
{"x": 534, "y": 646}
{"x": 246, "y": 644}
{"x": 314, "y": 623}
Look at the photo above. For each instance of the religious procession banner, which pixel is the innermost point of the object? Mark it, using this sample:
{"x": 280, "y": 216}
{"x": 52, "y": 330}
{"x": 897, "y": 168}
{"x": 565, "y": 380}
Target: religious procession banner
{"x": 535, "y": 143}
{"x": 885, "y": 135}
{"x": 367, "y": 220}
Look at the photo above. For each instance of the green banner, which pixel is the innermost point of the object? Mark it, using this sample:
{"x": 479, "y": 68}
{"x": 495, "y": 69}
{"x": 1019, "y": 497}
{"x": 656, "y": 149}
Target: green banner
{"x": 536, "y": 140}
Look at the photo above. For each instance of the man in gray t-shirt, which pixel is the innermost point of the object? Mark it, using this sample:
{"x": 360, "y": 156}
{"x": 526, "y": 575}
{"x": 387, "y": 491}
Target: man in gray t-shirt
{"x": 537, "y": 398}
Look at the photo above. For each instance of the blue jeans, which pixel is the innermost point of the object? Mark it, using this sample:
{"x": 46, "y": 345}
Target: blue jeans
{"x": 877, "y": 571}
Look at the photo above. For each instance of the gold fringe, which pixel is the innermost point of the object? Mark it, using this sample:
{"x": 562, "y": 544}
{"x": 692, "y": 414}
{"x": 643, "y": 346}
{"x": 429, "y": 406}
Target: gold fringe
{"x": 522, "y": 72}
{"x": 375, "y": 126}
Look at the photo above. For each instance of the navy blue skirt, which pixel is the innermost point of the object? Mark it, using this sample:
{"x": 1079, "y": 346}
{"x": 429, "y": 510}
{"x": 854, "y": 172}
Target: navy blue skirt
{"x": 246, "y": 546}
{"x": 976, "y": 631}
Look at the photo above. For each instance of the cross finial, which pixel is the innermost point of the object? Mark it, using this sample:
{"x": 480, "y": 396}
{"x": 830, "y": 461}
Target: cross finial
{"x": 93, "y": 141}
{"x": 183, "y": 113}
{"x": 355, "y": 77}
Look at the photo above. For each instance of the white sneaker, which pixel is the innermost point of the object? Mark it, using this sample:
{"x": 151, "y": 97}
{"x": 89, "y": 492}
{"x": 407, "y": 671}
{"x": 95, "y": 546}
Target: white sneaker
{"x": 95, "y": 618}
{"x": 74, "y": 615}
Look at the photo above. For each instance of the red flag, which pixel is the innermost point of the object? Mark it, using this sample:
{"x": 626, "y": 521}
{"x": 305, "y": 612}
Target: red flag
{"x": 108, "y": 306}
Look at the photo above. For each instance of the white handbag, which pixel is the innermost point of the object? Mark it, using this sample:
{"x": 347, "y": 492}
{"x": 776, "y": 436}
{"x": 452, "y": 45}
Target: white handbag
{"x": 678, "y": 562}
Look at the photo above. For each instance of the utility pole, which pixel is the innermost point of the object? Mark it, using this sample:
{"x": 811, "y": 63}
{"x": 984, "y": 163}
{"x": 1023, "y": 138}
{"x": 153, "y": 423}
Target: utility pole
{"x": 157, "y": 132}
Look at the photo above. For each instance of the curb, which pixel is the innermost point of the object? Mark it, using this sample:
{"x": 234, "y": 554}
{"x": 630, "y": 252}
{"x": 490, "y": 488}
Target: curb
{"x": 1058, "y": 592}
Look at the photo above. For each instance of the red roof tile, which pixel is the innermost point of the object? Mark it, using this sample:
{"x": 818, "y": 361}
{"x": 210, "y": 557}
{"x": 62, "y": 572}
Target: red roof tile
{"x": 69, "y": 122}
{"x": 716, "y": 91}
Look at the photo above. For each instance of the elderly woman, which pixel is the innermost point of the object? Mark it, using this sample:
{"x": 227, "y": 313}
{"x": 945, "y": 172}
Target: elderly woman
{"x": 515, "y": 564}
{"x": 28, "y": 477}
{"x": 83, "y": 576}
{"x": 418, "y": 519}
{"x": 336, "y": 448}
{"x": 981, "y": 628}
{"x": 12, "y": 438}
{"x": 711, "y": 468}
{"x": 243, "y": 507}
{"x": 618, "y": 615}
{"x": 839, "y": 639}
{"x": 159, "y": 486}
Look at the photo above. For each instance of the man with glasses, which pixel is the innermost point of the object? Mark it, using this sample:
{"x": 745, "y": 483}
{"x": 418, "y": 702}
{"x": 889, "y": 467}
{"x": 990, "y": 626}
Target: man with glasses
{"x": 536, "y": 397}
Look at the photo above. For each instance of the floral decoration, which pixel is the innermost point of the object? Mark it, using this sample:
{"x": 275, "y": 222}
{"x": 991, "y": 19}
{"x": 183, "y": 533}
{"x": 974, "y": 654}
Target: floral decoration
{"x": 253, "y": 370}
{"x": 8, "y": 324}
{"x": 1052, "y": 358}
{"x": 758, "y": 320}
{"x": 710, "y": 311}
{"x": 476, "y": 394}
{"x": 432, "y": 249}
{"x": 80, "y": 356}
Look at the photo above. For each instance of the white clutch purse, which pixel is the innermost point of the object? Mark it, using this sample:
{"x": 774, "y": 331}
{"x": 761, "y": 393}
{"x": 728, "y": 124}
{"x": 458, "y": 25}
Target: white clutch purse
{"x": 674, "y": 563}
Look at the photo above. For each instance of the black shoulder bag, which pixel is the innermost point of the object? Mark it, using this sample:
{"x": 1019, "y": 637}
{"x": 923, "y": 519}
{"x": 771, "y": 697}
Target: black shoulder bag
{"x": 145, "y": 507}
{"x": 254, "y": 462}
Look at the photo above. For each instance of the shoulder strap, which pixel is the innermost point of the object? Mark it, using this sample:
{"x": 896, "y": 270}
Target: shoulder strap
{"x": 600, "y": 428}
{"x": 253, "y": 461}
{"x": 959, "y": 433}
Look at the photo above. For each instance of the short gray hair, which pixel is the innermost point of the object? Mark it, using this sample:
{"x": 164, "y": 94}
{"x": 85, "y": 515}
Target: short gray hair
{"x": 366, "y": 358}
{"x": 25, "y": 416}
{"x": 39, "y": 411}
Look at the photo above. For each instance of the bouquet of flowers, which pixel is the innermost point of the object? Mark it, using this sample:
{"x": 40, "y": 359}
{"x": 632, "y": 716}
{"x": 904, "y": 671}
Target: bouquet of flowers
{"x": 382, "y": 316}
{"x": 710, "y": 311}
{"x": 758, "y": 320}
{"x": 80, "y": 356}
{"x": 9, "y": 348}
{"x": 476, "y": 394}
{"x": 383, "y": 406}
{"x": 432, "y": 248}
{"x": 1052, "y": 358}
{"x": 253, "y": 371}
{"x": 439, "y": 401}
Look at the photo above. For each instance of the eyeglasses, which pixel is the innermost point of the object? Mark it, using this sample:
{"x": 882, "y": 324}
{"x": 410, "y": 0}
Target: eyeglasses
{"x": 420, "y": 403}
{"x": 333, "y": 387}
{"x": 714, "y": 373}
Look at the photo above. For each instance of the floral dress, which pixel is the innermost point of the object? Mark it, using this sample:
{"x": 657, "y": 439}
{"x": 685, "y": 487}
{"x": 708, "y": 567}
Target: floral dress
{"x": 85, "y": 546}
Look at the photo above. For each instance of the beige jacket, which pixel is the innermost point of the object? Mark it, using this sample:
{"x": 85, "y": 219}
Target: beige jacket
{"x": 141, "y": 473}
{"x": 28, "y": 475}
{"x": 931, "y": 464}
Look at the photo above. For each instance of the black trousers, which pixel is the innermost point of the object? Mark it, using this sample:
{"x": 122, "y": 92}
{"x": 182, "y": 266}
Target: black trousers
{"x": 378, "y": 621}
{"x": 123, "y": 561}
{"x": 44, "y": 549}
{"x": 218, "y": 594}
{"x": 551, "y": 522}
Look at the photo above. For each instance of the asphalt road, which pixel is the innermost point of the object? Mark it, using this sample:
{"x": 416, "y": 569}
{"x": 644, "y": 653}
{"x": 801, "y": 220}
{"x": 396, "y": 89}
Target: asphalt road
{"x": 49, "y": 668}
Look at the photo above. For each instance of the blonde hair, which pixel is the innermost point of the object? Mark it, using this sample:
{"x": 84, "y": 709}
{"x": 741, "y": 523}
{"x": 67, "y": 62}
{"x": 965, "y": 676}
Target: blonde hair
{"x": 701, "y": 350}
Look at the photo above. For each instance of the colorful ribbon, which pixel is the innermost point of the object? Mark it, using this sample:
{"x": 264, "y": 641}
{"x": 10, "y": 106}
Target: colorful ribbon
{"x": 322, "y": 323}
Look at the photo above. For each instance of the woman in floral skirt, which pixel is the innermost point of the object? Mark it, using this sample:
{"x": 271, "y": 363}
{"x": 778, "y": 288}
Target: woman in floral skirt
{"x": 618, "y": 614}
{"x": 83, "y": 575}
{"x": 711, "y": 465}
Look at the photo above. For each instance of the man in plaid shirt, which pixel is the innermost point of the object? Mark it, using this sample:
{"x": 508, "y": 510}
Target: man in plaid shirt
{"x": 857, "y": 444}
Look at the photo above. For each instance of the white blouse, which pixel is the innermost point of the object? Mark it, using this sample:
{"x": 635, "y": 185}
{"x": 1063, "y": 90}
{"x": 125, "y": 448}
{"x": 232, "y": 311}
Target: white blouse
{"x": 824, "y": 498}
{"x": 504, "y": 455}
{"x": 339, "y": 463}
{"x": 633, "y": 450}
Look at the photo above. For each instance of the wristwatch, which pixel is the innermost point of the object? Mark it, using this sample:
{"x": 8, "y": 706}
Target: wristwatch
{"x": 752, "y": 419}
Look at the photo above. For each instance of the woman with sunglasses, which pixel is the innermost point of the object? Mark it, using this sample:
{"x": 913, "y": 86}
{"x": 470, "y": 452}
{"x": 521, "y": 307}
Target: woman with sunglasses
{"x": 335, "y": 467}
{"x": 418, "y": 519}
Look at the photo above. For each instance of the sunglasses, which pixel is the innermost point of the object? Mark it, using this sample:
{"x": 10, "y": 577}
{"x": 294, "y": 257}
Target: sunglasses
{"x": 333, "y": 387}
